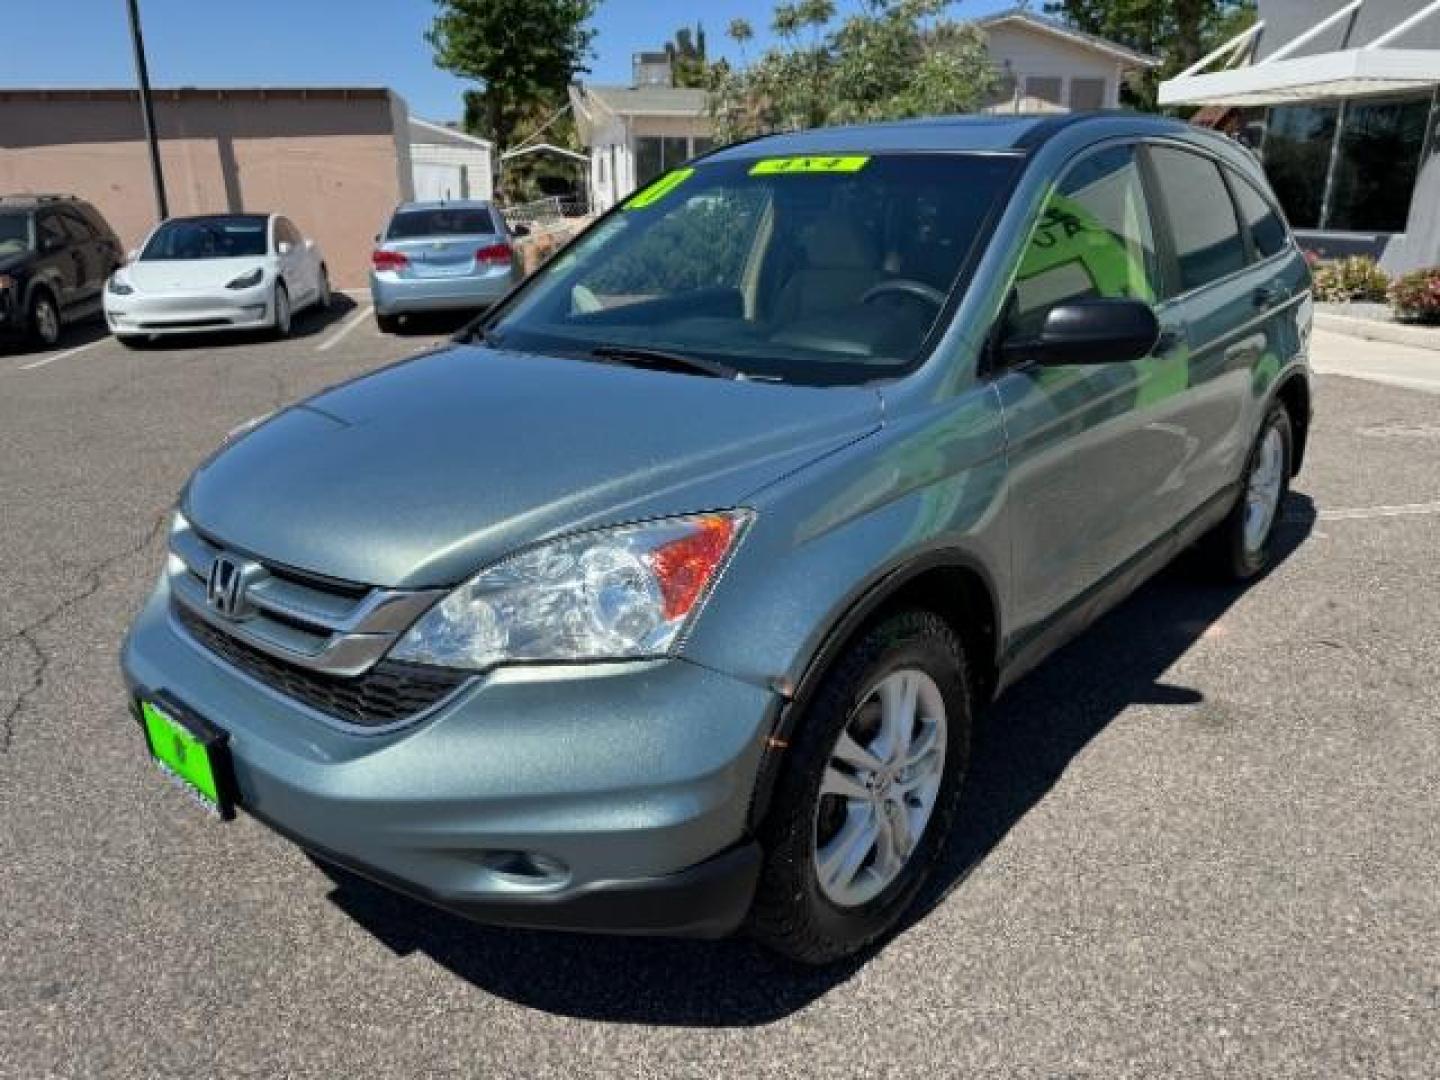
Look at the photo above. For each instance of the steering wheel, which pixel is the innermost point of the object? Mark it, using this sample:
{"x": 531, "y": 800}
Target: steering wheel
{"x": 905, "y": 287}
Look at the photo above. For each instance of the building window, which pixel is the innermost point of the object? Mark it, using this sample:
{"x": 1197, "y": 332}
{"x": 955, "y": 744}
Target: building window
{"x": 1377, "y": 162}
{"x": 1045, "y": 88}
{"x": 1380, "y": 146}
{"x": 649, "y": 160}
{"x": 1087, "y": 93}
{"x": 1297, "y": 155}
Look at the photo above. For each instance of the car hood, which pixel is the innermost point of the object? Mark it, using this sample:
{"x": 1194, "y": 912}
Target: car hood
{"x": 417, "y": 475}
{"x": 188, "y": 275}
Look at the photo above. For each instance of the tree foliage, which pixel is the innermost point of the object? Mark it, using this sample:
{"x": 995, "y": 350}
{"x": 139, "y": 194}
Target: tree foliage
{"x": 892, "y": 59}
{"x": 688, "y": 64}
{"x": 523, "y": 53}
{"x": 1178, "y": 31}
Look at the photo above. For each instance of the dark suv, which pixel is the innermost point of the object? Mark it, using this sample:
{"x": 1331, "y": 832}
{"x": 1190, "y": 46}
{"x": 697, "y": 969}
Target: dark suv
{"x": 56, "y": 253}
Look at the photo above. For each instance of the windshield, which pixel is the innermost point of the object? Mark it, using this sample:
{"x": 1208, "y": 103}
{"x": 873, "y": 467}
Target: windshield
{"x": 14, "y": 234}
{"x": 450, "y": 221}
{"x": 231, "y": 237}
{"x": 817, "y": 270}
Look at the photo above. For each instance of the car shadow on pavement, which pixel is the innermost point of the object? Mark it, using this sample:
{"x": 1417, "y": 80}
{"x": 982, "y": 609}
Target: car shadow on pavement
{"x": 74, "y": 336}
{"x": 307, "y": 324}
{"x": 1024, "y": 746}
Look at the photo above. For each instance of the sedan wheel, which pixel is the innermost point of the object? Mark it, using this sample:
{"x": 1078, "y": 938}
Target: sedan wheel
{"x": 282, "y": 312}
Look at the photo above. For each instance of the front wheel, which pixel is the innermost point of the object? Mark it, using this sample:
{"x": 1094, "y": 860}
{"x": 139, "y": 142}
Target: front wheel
{"x": 387, "y": 324}
{"x": 281, "y": 306}
{"x": 44, "y": 320}
{"x": 322, "y": 293}
{"x": 869, "y": 791}
{"x": 1243, "y": 545}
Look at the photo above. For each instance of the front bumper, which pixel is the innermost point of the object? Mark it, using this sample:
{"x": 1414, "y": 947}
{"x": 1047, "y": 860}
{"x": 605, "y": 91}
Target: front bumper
{"x": 394, "y": 295}
{"x": 189, "y": 313}
{"x": 634, "y": 779}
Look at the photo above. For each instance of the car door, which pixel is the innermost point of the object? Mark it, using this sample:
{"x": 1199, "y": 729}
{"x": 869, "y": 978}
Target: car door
{"x": 295, "y": 262}
{"x": 88, "y": 257}
{"x": 1089, "y": 448}
{"x": 1225, "y": 303}
{"x": 60, "y": 266}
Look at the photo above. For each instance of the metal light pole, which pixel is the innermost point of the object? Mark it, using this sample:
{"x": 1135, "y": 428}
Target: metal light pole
{"x": 147, "y": 109}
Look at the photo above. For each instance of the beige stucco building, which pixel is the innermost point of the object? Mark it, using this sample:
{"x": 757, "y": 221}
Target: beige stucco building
{"x": 335, "y": 161}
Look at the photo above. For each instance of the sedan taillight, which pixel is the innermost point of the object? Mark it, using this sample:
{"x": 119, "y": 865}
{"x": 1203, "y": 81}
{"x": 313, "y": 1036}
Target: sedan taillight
{"x": 389, "y": 260}
{"x": 494, "y": 255}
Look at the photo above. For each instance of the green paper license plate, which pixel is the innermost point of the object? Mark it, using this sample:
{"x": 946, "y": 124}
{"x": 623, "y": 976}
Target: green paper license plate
{"x": 192, "y": 753}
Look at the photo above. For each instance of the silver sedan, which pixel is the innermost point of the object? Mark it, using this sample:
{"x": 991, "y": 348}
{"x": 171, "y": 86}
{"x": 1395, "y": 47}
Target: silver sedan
{"x": 440, "y": 256}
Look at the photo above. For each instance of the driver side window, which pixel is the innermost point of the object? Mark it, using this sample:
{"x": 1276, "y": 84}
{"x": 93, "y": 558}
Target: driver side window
{"x": 1093, "y": 239}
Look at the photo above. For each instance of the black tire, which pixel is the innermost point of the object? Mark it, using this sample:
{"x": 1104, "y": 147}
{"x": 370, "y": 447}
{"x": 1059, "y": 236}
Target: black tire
{"x": 133, "y": 341}
{"x": 1225, "y": 549}
{"x": 284, "y": 317}
{"x": 43, "y": 322}
{"x": 388, "y": 324}
{"x": 792, "y": 914}
{"x": 323, "y": 296}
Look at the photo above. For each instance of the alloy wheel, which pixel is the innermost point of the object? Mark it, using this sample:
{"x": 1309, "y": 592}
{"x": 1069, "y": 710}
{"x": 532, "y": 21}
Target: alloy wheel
{"x": 1263, "y": 488}
{"x": 47, "y": 321}
{"x": 879, "y": 787}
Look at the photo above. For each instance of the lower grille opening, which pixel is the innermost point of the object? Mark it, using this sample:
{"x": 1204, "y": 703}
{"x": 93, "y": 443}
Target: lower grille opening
{"x": 390, "y": 692}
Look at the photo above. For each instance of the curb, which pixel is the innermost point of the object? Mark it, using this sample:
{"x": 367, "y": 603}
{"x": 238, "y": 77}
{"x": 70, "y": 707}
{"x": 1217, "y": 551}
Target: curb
{"x": 1373, "y": 330}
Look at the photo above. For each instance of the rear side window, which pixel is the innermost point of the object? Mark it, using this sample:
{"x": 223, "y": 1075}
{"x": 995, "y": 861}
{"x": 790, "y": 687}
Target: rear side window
{"x": 1093, "y": 239}
{"x": 446, "y": 221}
{"x": 1267, "y": 231}
{"x": 1203, "y": 228}
{"x": 51, "y": 232}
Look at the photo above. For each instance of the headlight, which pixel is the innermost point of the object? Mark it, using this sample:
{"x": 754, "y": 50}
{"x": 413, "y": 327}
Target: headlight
{"x": 246, "y": 281}
{"x": 118, "y": 287}
{"x": 610, "y": 594}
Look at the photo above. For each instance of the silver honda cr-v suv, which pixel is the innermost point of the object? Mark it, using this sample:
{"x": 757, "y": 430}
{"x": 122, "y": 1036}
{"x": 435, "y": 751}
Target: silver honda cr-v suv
{"x": 664, "y": 599}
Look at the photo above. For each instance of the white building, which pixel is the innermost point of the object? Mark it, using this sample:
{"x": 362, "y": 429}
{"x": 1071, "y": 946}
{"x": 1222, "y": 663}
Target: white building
{"x": 448, "y": 164}
{"x": 635, "y": 133}
{"x": 1341, "y": 100}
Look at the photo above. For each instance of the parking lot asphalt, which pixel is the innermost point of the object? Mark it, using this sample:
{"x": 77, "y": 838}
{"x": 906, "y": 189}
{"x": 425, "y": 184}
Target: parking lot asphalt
{"x": 1203, "y": 839}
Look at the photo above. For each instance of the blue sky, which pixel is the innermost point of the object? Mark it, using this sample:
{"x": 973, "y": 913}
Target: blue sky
{"x": 53, "y": 43}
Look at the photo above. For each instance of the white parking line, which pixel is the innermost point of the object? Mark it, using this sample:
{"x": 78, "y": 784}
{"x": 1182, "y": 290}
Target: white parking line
{"x": 61, "y": 355}
{"x": 1363, "y": 512}
{"x": 354, "y": 321}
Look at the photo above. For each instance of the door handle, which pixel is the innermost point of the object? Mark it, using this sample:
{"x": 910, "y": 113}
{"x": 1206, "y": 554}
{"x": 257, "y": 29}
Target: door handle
{"x": 1167, "y": 341}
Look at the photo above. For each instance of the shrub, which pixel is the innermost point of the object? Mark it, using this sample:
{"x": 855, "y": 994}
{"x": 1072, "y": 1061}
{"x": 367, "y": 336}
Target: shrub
{"x": 1416, "y": 296}
{"x": 1356, "y": 277}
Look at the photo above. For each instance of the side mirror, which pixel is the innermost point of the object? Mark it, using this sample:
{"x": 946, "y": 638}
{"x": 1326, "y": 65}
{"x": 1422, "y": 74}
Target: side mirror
{"x": 1094, "y": 331}
{"x": 284, "y": 247}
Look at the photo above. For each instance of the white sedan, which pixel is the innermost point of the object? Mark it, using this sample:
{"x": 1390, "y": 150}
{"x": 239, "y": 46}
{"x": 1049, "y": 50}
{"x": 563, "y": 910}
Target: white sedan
{"x": 216, "y": 272}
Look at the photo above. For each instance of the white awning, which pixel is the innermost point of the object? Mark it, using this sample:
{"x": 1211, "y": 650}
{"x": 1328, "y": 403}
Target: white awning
{"x": 1349, "y": 73}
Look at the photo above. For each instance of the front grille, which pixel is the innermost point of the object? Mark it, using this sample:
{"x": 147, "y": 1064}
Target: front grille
{"x": 388, "y": 693}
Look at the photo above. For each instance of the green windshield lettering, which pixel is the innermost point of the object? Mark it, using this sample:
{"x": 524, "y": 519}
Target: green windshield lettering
{"x": 776, "y": 166}
{"x": 659, "y": 189}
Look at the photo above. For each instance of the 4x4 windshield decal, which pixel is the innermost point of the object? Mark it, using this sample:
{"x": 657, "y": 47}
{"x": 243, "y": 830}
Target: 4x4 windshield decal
{"x": 775, "y": 166}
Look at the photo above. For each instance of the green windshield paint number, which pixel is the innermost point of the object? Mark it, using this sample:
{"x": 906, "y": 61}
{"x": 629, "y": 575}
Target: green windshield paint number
{"x": 852, "y": 163}
{"x": 659, "y": 189}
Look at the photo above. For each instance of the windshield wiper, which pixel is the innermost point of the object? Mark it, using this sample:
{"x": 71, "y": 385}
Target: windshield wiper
{"x": 639, "y": 356}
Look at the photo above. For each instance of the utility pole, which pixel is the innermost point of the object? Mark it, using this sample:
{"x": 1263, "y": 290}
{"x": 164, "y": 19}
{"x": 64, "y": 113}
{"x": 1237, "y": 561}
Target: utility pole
{"x": 147, "y": 109}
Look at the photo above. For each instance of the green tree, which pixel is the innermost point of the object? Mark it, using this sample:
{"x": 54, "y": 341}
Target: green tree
{"x": 1178, "y": 31}
{"x": 523, "y": 53}
{"x": 892, "y": 59}
{"x": 688, "y": 64}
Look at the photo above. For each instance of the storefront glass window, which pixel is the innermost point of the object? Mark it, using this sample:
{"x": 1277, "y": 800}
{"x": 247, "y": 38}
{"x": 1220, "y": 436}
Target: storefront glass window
{"x": 1380, "y": 144}
{"x": 1297, "y": 155}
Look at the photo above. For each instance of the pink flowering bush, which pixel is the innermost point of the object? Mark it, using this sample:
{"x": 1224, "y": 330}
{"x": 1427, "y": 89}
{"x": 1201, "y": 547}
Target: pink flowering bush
{"x": 1415, "y": 297}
